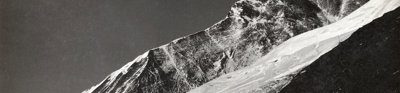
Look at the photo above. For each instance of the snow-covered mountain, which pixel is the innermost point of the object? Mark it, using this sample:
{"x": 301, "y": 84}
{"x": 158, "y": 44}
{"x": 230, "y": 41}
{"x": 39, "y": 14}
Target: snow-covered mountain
{"x": 249, "y": 32}
{"x": 274, "y": 71}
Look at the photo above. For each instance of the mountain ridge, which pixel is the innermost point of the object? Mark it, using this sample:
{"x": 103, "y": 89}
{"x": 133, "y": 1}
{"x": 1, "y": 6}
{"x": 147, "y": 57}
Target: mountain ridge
{"x": 251, "y": 29}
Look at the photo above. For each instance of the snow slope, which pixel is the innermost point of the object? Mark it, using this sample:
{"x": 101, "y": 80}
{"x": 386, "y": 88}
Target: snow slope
{"x": 275, "y": 70}
{"x": 367, "y": 62}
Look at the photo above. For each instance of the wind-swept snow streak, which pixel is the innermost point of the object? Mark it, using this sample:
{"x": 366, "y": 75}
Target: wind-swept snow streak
{"x": 275, "y": 70}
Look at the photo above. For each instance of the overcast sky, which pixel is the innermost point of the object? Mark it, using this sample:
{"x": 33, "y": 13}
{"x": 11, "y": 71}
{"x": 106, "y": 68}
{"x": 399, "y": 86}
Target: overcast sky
{"x": 67, "y": 46}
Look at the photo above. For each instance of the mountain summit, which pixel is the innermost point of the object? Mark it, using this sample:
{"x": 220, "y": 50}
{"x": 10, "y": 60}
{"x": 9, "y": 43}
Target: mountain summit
{"x": 251, "y": 30}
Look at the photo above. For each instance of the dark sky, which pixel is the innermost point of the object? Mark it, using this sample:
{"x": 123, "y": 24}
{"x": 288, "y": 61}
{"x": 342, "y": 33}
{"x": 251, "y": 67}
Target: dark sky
{"x": 66, "y": 46}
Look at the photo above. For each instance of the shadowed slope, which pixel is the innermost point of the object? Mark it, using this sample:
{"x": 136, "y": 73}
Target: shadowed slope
{"x": 368, "y": 62}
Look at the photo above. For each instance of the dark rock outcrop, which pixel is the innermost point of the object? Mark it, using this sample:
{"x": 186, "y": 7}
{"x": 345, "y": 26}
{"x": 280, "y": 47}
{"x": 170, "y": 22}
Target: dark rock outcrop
{"x": 251, "y": 29}
{"x": 368, "y": 62}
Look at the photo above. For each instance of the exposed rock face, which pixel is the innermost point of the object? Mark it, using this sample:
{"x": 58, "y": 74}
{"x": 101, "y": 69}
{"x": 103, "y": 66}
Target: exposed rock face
{"x": 368, "y": 62}
{"x": 336, "y": 9}
{"x": 251, "y": 29}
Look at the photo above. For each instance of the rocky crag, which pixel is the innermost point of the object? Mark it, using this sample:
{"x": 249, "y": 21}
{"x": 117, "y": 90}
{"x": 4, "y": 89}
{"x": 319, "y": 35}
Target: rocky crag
{"x": 251, "y": 29}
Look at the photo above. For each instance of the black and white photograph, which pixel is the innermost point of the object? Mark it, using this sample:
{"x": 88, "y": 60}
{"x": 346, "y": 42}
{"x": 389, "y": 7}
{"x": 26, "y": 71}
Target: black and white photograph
{"x": 199, "y": 46}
